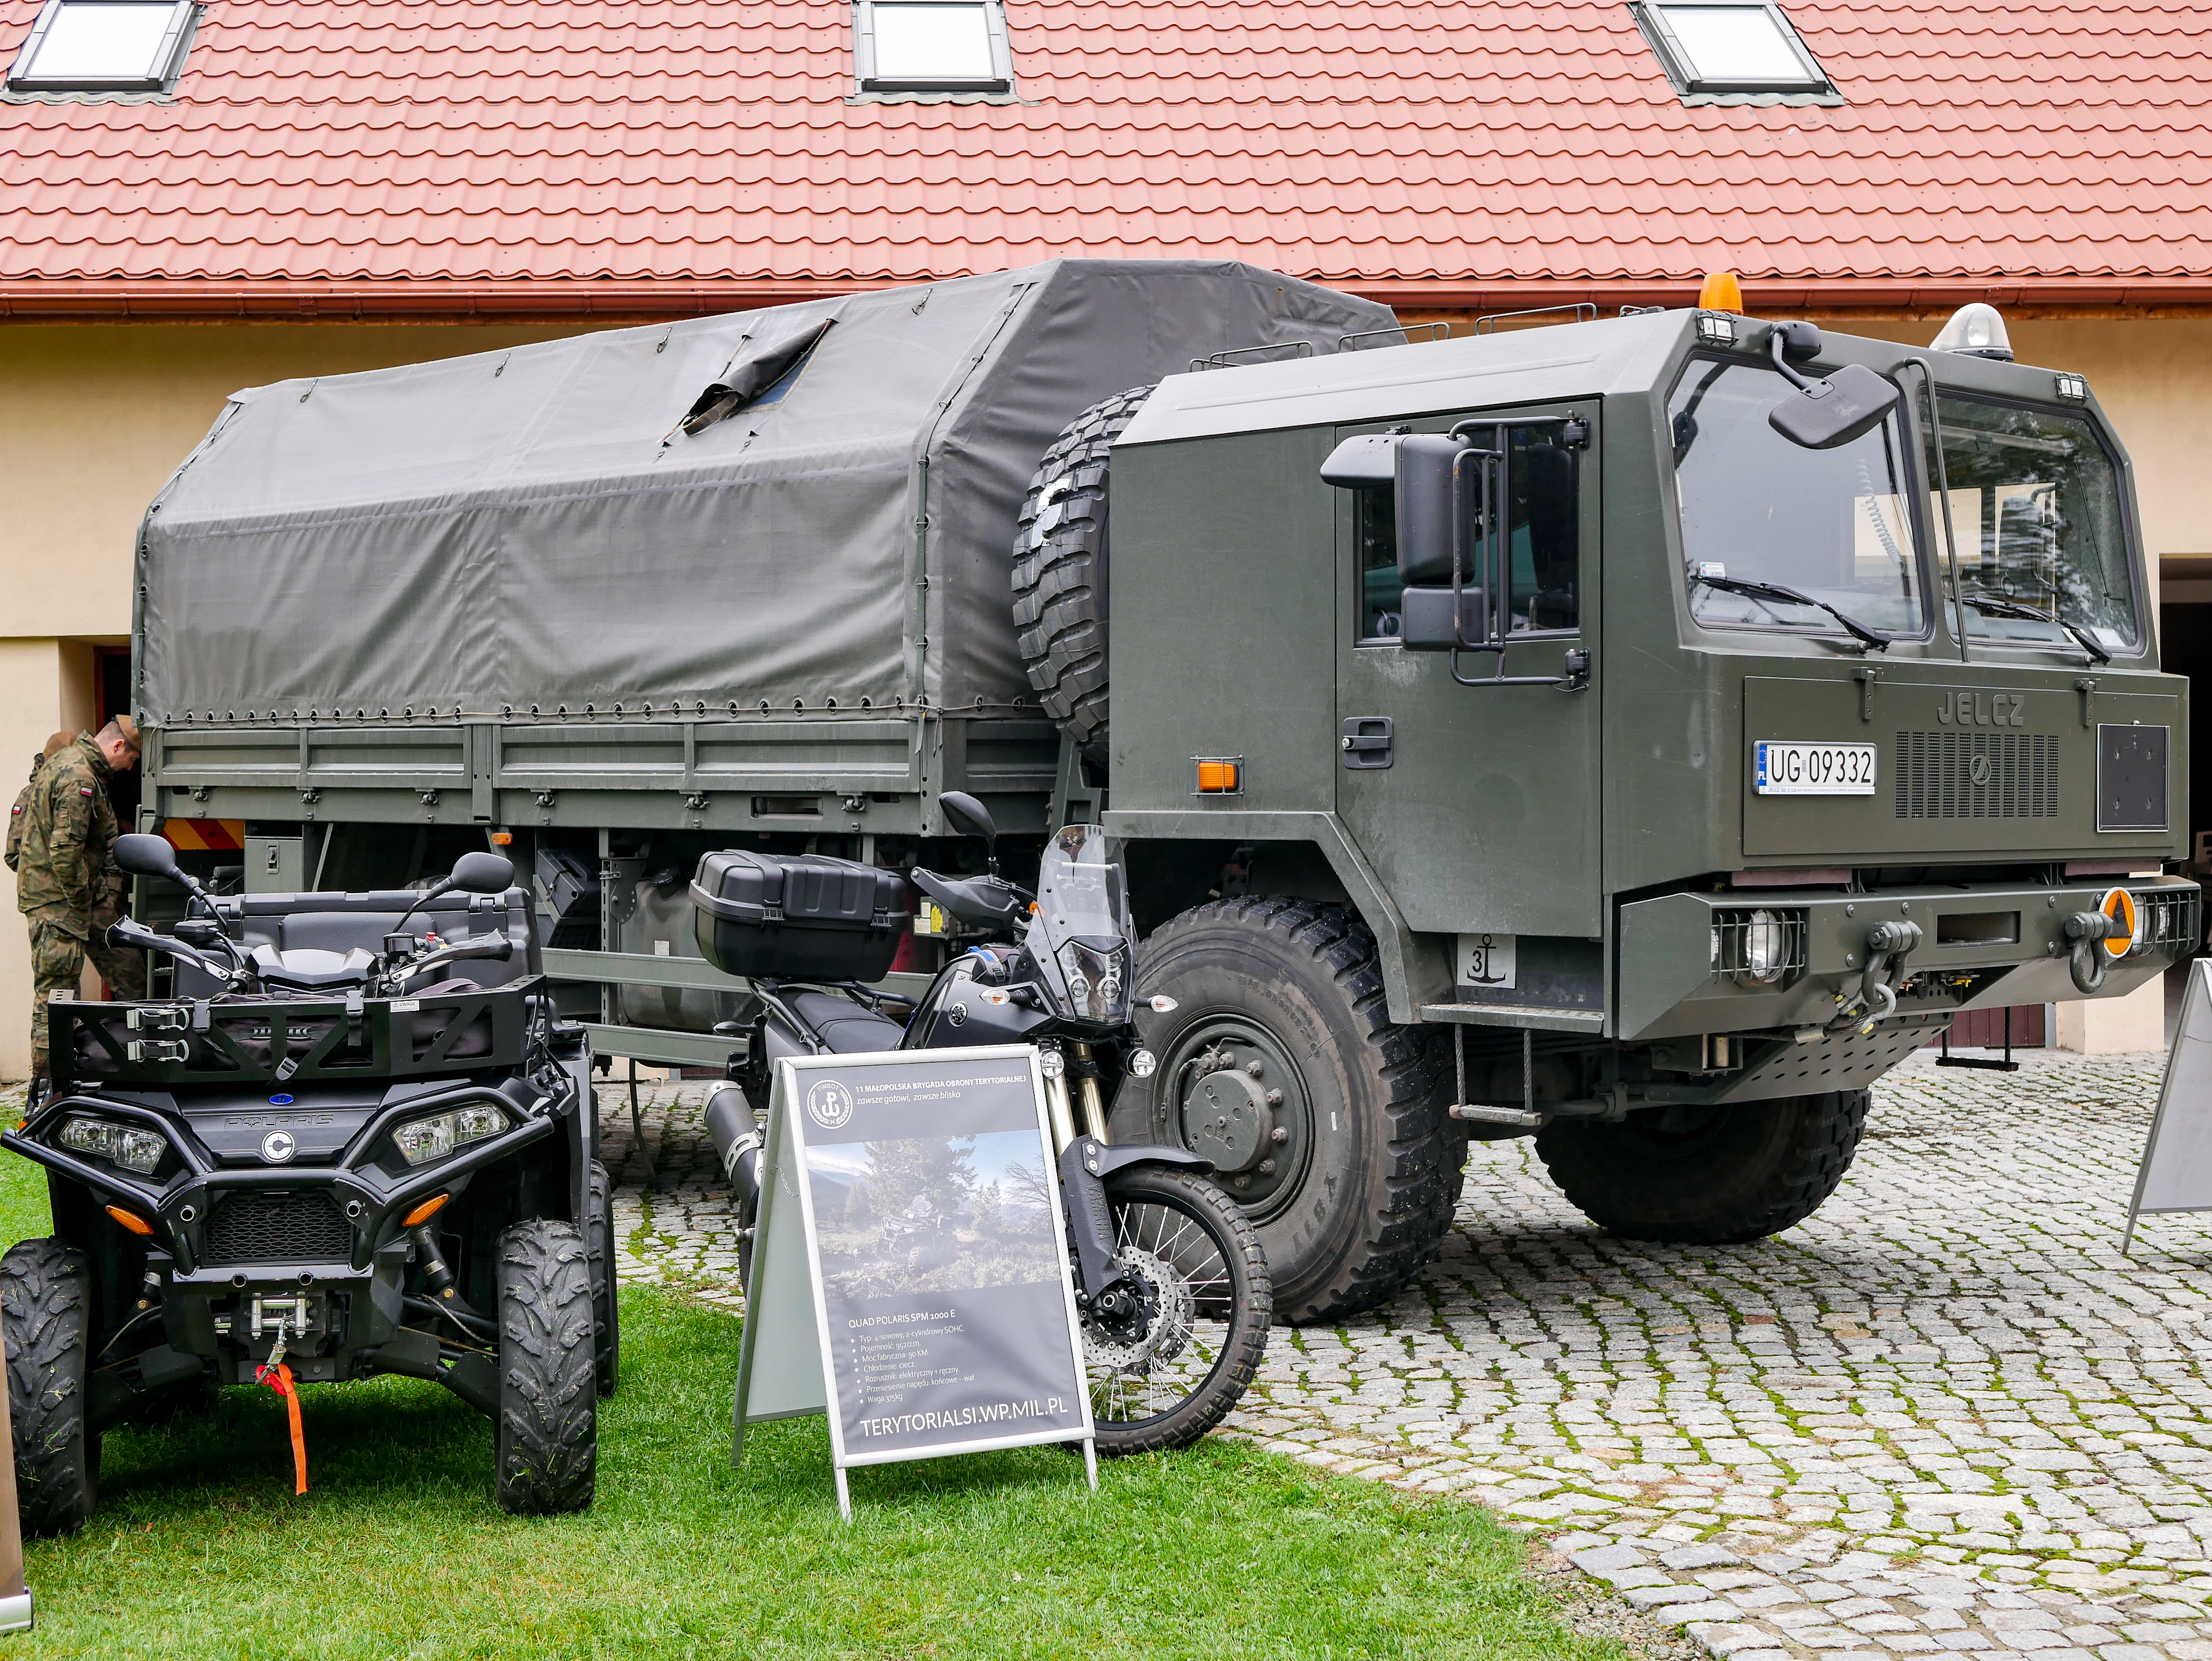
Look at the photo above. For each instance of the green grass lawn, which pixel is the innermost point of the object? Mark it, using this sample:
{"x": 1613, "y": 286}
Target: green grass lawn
{"x": 200, "y": 1547}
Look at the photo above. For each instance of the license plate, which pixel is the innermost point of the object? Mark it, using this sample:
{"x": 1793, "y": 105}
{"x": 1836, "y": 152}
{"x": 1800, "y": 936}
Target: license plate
{"x": 1783, "y": 767}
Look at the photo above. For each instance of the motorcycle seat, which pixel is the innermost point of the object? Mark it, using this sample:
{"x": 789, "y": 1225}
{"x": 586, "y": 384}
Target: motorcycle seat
{"x": 846, "y": 1027}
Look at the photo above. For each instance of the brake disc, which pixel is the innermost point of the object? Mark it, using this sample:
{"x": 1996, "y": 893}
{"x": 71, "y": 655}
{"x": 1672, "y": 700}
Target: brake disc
{"x": 1164, "y": 1335}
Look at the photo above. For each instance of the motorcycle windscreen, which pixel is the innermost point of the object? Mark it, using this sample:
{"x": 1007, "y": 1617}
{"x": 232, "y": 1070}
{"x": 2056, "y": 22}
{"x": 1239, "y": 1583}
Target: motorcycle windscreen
{"x": 1080, "y": 936}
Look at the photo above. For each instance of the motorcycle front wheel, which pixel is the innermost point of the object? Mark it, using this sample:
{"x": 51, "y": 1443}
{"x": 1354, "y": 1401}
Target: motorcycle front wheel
{"x": 1168, "y": 1370}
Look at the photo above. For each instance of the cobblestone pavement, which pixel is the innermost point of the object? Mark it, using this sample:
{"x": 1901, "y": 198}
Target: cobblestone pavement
{"x": 1942, "y": 1417}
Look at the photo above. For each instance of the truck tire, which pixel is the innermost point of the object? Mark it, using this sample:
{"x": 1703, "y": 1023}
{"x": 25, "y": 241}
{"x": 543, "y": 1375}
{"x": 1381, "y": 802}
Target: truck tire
{"x": 1060, "y": 570}
{"x": 1367, "y": 1170}
{"x": 45, "y": 1322}
{"x": 1707, "y": 1175}
{"x": 606, "y": 1315}
{"x": 549, "y": 1407}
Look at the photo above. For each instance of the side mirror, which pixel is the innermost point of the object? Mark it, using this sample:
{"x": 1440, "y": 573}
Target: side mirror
{"x": 1850, "y": 404}
{"x": 1425, "y": 619}
{"x": 968, "y": 816}
{"x": 146, "y": 856}
{"x": 483, "y": 873}
{"x": 1424, "y": 463}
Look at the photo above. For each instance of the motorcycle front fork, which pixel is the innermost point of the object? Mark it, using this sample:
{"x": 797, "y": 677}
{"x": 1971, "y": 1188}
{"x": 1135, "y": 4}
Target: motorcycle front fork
{"x": 1060, "y": 1105}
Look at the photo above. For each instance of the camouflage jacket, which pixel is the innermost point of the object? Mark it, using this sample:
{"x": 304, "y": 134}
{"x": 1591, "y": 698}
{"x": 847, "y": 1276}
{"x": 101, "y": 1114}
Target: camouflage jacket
{"x": 21, "y": 811}
{"x": 69, "y": 832}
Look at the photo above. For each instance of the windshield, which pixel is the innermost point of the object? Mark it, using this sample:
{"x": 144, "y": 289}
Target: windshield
{"x": 1830, "y": 524}
{"x": 2034, "y": 515}
{"x": 1083, "y": 917}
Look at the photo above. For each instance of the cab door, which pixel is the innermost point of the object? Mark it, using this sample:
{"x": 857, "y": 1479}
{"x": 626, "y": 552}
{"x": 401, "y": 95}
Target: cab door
{"x": 1477, "y": 801}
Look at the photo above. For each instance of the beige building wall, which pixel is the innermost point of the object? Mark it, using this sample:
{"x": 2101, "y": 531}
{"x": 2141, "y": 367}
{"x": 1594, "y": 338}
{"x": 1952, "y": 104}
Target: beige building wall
{"x": 94, "y": 418}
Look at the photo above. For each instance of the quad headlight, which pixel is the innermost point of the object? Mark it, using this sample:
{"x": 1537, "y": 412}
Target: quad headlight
{"x": 420, "y": 1140}
{"x": 118, "y": 1144}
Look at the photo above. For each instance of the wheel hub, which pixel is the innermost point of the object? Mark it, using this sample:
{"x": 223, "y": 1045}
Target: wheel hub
{"x": 1234, "y": 1097}
{"x": 1226, "y": 1116}
{"x": 1147, "y": 1331}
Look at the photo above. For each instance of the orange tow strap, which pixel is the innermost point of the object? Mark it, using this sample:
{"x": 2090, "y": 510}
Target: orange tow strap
{"x": 282, "y": 1385}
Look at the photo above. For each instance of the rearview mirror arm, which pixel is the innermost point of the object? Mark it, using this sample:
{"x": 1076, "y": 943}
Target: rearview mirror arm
{"x": 1495, "y": 555}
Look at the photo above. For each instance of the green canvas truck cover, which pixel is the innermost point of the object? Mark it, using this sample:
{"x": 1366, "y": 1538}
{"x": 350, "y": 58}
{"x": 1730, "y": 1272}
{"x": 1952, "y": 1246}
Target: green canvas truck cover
{"x": 667, "y": 515}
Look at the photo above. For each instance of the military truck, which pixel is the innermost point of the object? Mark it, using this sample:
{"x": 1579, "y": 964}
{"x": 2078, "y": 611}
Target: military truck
{"x": 1639, "y": 734}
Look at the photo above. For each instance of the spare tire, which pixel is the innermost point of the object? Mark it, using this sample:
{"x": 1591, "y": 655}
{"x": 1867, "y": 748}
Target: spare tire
{"x": 1060, "y": 570}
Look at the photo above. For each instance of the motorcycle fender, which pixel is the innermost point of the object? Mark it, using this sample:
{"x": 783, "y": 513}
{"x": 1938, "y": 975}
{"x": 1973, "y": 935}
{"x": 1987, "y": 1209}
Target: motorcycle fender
{"x": 1104, "y": 1159}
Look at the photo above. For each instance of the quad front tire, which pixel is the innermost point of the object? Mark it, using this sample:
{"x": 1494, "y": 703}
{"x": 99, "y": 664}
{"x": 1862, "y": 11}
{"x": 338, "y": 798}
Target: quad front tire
{"x": 45, "y": 1321}
{"x": 548, "y": 1409}
{"x": 1707, "y": 1175}
{"x": 606, "y": 1317}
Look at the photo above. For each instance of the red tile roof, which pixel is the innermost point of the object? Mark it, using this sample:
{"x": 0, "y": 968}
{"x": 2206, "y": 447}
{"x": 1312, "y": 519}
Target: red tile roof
{"x": 435, "y": 155}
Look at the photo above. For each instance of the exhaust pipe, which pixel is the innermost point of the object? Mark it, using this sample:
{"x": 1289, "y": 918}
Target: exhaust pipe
{"x": 737, "y": 1143}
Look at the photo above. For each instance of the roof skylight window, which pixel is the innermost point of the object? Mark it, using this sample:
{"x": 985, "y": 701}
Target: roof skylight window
{"x": 932, "y": 45}
{"x": 104, "y": 45}
{"x": 1727, "y": 48}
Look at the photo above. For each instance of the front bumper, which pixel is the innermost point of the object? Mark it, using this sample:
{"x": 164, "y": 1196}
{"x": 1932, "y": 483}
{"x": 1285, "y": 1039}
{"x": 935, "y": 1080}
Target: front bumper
{"x": 1983, "y": 946}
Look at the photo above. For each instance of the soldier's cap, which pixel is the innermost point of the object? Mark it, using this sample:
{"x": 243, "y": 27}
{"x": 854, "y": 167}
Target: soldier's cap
{"x": 56, "y": 744}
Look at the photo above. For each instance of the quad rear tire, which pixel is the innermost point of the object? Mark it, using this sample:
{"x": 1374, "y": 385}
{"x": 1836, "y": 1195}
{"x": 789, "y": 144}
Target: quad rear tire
{"x": 606, "y": 1315}
{"x": 549, "y": 1410}
{"x": 1060, "y": 570}
{"x": 1707, "y": 1175}
{"x": 45, "y": 1321}
{"x": 1284, "y": 997}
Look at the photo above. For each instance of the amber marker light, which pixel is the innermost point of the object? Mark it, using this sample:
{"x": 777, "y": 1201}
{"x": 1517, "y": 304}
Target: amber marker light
{"x": 502, "y": 839}
{"x": 424, "y": 1212}
{"x": 1217, "y": 778}
{"x": 131, "y": 1219}
{"x": 2120, "y": 906}
{"x": 1722, "y": 291}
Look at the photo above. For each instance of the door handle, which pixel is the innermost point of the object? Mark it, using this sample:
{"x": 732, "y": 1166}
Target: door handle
{"x": 1365, "y": 742}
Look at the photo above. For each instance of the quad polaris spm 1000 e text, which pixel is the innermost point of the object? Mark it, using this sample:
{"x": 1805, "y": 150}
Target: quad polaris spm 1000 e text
{"x": 356, "y": 1140}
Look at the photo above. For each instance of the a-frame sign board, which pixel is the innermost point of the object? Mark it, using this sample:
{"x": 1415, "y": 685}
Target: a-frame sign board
{"x": 2176, "y": 1174}
{"x": 910, "y": 1269}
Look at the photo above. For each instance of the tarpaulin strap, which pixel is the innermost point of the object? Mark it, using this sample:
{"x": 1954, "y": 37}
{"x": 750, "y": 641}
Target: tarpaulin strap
{"x": 282, "y": 1385}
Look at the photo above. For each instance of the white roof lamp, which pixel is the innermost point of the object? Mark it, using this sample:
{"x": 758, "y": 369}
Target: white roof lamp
{"x": 1975, "y": 330}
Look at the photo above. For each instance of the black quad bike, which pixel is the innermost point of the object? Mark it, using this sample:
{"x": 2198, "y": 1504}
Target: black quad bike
{"x": 356, "y": 1140}
{"x": 1169, "y": 1281}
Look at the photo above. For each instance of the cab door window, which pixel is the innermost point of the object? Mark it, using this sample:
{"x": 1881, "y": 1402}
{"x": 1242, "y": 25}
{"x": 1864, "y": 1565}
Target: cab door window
{"x": 1544, "y": 537}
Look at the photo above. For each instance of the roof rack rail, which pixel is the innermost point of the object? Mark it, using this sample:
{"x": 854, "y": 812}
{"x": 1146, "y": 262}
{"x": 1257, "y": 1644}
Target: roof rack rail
{"x": 1585, "y": 312}
{"x": 1440, "y": 330}
{"x": 1220, "y": 360}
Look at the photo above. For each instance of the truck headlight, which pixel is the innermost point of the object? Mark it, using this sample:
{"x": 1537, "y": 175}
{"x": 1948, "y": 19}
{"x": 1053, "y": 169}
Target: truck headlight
{"x": 420, "y": 1140}
{"x": 118, "y": 1144}
{"x": 1766, "y": 947}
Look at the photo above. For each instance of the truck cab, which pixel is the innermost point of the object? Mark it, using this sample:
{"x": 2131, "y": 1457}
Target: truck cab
{"x": 1687, "y": 775}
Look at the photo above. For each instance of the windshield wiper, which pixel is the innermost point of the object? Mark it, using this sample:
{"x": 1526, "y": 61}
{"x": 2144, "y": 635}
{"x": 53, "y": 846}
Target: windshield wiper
{"x": 1871, "y": 639}
{"x": 1990, "y": 607}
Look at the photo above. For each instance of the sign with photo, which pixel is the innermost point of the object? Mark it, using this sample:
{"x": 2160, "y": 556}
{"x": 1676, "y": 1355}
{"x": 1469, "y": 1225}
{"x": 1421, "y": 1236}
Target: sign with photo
{"x": 2176, "y": 1173}
{"x": 910, "y": 1265}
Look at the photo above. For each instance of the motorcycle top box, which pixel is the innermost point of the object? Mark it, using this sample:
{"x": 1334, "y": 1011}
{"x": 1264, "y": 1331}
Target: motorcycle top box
{"x": 798, "y": 916}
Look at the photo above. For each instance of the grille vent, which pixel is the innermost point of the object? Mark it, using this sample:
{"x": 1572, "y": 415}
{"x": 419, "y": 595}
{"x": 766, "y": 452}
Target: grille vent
{"x": 294, "y": 1228}
{"x": 1976, "y": 776}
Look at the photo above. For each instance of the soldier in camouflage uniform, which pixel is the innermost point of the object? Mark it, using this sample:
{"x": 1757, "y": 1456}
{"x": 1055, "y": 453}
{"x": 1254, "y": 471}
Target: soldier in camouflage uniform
{"x": 66, "y": 883}
{"x": 55, "y": 744}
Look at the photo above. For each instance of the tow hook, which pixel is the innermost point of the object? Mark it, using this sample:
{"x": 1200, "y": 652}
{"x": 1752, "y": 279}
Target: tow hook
{"x": 2087, "y": 929}
{"x": 1887, "y": 945}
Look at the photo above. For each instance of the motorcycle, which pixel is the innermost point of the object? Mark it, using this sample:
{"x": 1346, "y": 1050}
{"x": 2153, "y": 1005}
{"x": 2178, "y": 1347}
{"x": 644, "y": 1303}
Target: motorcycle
{"x": 1170, "y": 1285}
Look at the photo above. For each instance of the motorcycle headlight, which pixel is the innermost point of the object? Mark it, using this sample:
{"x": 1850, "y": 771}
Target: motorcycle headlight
{"x": 118, "y": 1144}
{"x": 1097, "y": 982}
{"x": 1142, "y": 1064}
{"x": 420, "y": 1140}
